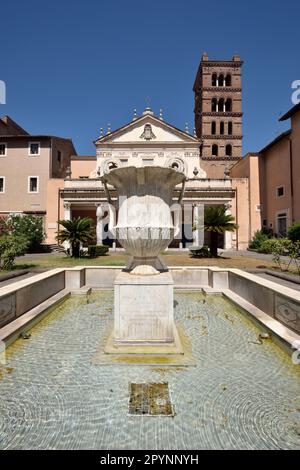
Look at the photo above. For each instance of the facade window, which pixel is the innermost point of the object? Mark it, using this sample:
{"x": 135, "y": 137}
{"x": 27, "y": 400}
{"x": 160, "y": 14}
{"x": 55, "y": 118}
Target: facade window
{"x": 228, "y": 105}
{"x": 228, "y": 150}
{"x": 221, "y": 105}
{"x": 2, "y": 184}
{"x": 228, "y": 80}
{"x": 3, "y": 150}
{"x": 147, "y": 161}
{"x": 124, "y": 161}
{"x": 59, "y": 156}
{"x": 215, "y": 150}
{"x": 221, "y": 80}
{"x": 33, "y": 184}
{"x": 280, "y": 191}
{"x": 282, "y": 224}
{"x": 230, "y": 128}
{"x": 34, "y": 148}
{"x": 214, "y": 104}
{"x": 221, "y": 127}
{"x": 214, "y": 79}
{"x": 213, "y": 127}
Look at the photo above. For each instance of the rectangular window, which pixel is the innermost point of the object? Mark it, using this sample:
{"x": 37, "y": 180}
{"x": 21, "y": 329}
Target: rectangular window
{"x": 280, "y": 191}
{"x": 2, "y": 184}
{"x": 34, "y": 148}
{"x": 59, "y": 156}
{"x": 3, "y": 150}
{"x": 124, "y": 161}
{"x": 33, "y": 184}
{"x": 147, "y": 161}
{"x": 282, "y": 224}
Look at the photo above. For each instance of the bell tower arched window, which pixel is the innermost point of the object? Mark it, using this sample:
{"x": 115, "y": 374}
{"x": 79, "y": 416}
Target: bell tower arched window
{"x": 222, "y": 128}
{"x": 228, "y": 80}
{"x": 213, "y": 127}
{"x": 215, "y": 150}
{"x": 228, "y": 150}
{"x": 228, "y": 105}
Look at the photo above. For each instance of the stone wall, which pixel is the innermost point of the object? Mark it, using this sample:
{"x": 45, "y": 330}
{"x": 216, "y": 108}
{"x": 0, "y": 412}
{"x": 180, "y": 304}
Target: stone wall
{"x": 22, "y": 296}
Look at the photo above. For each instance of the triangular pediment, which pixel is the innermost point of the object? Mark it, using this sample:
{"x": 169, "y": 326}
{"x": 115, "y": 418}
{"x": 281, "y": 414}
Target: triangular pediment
{"x": 147, "y": 129}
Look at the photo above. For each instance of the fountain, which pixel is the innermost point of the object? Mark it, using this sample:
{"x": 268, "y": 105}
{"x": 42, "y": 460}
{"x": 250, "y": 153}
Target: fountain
{"x": 143, "y": 291}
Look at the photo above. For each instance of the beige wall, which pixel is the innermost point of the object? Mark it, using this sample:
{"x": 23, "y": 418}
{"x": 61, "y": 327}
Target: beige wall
{"x": 16, "y": 167}
{"x": 65, "y": 146}
{"x": 296, "y": 164}
{"x": 55, "y": 208}
{"x": 83, "y": 166}
{"x": 240, "y": 210}
{"x": 277, "y": 173}
{"x": 250, "y": 168}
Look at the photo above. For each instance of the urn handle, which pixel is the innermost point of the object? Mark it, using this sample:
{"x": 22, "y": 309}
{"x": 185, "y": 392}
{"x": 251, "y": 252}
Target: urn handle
{"x": 181, "y": 192}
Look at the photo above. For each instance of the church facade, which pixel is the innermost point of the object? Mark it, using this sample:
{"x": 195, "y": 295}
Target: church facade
{"x": 148, "y": 140}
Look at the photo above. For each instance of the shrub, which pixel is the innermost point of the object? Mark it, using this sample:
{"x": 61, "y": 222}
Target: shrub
{"x": 29, "y": 226}
{"x": 294, "y": 232}
{"x": 11, "y": 246}
{"x": 260, "y": 236}
{"x": 97, "y": 250}
{"x": 275, "y": 245}
{"x": 200, "y": 251}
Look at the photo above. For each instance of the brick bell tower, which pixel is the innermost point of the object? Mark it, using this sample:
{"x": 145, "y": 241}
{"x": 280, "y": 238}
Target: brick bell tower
{"x": 218, "y": 114}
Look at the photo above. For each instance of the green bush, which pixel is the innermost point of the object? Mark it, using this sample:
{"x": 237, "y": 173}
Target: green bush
{"x": 200, "y": 251}
{"x": 275, "y": 245}
{"x": 31, "y": 227}
{"x": 97, "y": 250}
{"x": 294, "y": 232}
{"x": 11, "y": 246}
{"x": 260, "y": 236}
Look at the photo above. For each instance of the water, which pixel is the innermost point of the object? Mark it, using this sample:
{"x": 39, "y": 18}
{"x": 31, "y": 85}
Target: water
{"x": 240, "y": 395}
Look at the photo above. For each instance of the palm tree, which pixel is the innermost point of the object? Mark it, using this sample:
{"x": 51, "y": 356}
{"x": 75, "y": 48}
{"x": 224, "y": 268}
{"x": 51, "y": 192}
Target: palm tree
{"x": 217, "y": 221}
{"x": 76, "y": 231}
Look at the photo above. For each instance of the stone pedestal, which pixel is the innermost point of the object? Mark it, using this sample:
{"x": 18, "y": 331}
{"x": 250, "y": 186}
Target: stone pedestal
{"x": 143, "y": 309}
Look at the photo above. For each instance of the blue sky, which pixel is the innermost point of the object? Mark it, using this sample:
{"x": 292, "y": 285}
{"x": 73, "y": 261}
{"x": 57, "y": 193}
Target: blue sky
{"x": 71, "y": 67}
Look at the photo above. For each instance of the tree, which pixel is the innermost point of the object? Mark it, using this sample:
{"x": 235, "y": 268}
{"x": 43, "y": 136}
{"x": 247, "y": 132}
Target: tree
{"x": 76, "y": 231}
{"x": 11, "y": 246}
{"x": 217, "y": 221}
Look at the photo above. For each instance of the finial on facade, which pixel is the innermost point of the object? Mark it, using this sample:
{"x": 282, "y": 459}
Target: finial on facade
{"x": 108, "y": 129}
{"x": 68, "y": 173}
{"x": 186, "y": 128}
{"x": 148, "y": 111}
{"x": 161, "y": 115}
{"x": 134, "y": 115}
{"x": 101, "y": 132}
{"x": 195, "y": 171}
{"x": 194, "y": 132}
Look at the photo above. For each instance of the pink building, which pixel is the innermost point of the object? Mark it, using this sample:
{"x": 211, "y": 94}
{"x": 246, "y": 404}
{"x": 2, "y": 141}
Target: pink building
{"x": 27, "y": 163}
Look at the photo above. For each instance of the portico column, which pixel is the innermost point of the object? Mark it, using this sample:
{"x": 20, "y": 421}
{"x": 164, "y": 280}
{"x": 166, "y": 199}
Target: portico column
{"x": 198, "y": 220}
{"x": 228, "y": 235}
{"x": 99, "y": 228}
{"x": 67, "y": 216}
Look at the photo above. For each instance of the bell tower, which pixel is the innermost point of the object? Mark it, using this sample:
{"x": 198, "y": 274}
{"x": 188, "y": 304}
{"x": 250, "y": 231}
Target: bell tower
{"x": 218, "y": 114}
